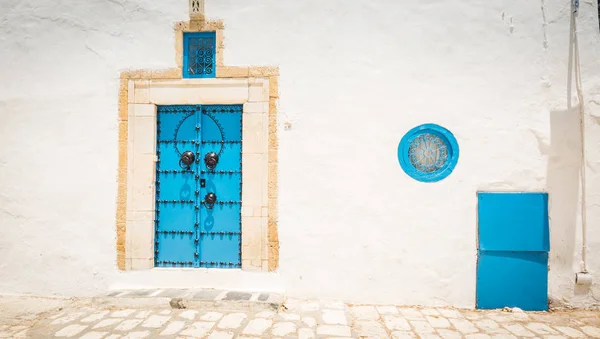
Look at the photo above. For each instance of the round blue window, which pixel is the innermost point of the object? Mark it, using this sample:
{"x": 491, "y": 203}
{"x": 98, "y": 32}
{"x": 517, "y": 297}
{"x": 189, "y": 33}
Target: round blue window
{"x": 428, "y": 153}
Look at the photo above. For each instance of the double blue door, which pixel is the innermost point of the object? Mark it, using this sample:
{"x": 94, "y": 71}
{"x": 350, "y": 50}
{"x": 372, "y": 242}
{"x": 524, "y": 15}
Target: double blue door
{"x": 198, "y": 186}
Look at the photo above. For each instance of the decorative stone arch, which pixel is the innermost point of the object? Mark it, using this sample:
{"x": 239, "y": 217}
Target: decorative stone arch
{"x": 139, "y": 93}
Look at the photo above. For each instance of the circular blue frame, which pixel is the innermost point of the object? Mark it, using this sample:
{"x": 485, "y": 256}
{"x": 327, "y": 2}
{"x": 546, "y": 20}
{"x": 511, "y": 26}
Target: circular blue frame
{"x": 445, "y": 135}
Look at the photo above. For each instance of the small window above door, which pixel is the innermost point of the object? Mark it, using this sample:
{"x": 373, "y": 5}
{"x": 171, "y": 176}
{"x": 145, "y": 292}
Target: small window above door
{"x": 199, "y": 55}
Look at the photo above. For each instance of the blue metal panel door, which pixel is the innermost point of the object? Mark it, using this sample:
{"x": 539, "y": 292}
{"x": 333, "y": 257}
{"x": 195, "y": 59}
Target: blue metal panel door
{"x": 512, "y": 263}
{"x": 198, "y": 205}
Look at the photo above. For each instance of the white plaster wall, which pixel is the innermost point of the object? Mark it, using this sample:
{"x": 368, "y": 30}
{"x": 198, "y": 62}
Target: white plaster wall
{"x": 355, "y": 76}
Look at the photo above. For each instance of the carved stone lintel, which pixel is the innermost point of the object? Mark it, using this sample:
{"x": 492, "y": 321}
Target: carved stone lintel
{"x": 196, "y": 9}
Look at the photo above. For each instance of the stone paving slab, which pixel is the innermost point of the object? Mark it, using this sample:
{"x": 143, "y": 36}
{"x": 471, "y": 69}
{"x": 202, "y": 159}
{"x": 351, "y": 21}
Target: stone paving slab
{"x": 198, "y": 294}
{"x": 199, "y": 298}
{"x": 83, "y": 318}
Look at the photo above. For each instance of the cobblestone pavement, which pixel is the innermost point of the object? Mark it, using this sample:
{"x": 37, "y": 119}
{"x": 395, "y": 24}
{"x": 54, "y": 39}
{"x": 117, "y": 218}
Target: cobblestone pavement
{"x": 298, "y": 319}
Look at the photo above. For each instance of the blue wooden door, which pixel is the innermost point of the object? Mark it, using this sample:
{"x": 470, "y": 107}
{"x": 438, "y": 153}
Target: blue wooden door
{"x": 198, "y": 205}
{"x": 512, "y": 262}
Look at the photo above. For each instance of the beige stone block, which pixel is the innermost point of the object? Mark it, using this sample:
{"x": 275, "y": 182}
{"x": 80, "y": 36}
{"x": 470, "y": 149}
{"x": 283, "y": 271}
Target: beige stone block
{"x": 273, "y": 256}
{"x": 144, "y": 135}
{"x": 140, "y": 74}
{"x": 129, "y": 154}
{"x": 133, "y": 215}
{"x": 130, "y": 91}
{"x": 213, "y": 25}
{"x": 264, "y": 234}
{"x": 181, "y": 26}
{"x": 142, "y": 94}
{"x": 272, "y": 106}
{"x": 232, "y": 72}
{"x": 274, "y": 87}
{"x": 247, "y": 265}
{"x": 252, "y": 238}
{"x": 247, "y": 211}
{"x": 145, "y": 110}
{"x": 257, "y": 263}
{"x": 128, "y": 264}
{"x": 142, "y": 241}
{"x": 254, "y": 179}
{"x": 123, "y": 131}
{"x": 123, "y": 99}
{"x": 273, "y": 208}
{"x": 273, "y": 140}
{"x": 142, "y": 264}
{"x": 265, "y": 265}
{"x": 121, "y": 256}
{"x": 199, "y": 91}
{"x": 272, "y": 185}
{"x": 220, "y": 38}
{"x": 255, "y": 135}
{"x": 169, "y": 73}
{"x": 258, "y": 90}
{"x": 265, "y": 211}
{"x": 273, "y": 156}
{"x": 131, "y": 114}
{"x": 179, "y": 49}
{"x": 196, "y": 25}
{"x": 143, "y": 183}
{"x": 220, "y": 57}
{"x": 264, "y": 71}
{"x": 128, "y": 239}
{"x": 198, "y": 17}
{"x": 256, "y": 107}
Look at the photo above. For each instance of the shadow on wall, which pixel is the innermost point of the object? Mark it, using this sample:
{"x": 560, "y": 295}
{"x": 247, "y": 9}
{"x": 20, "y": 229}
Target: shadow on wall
{"x": 564, "y": 162}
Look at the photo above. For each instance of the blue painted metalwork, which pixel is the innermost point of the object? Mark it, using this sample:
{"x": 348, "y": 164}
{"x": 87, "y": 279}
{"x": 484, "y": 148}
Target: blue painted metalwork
{"x": 513, "y": 222}
{"x": 199, "y": 55}
{"x": 188, "y": 232}
{"x": 428, "y": 153}
{"x": 512, "y": 266}
{"x": 512, "y": 279}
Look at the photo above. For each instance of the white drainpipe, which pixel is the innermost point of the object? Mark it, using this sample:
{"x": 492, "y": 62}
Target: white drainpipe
{"x": 582, "y": 277}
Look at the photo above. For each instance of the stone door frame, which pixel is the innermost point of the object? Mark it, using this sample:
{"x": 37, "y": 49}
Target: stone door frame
{"x": 140, "y": 92}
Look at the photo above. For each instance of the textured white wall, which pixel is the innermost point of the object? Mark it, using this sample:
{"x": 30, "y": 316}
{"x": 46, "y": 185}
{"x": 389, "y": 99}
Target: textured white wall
{"x": 355, "y": 76}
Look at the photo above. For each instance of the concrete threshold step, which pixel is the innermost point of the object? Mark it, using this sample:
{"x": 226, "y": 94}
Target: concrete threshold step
{"x": 192, "y": 299}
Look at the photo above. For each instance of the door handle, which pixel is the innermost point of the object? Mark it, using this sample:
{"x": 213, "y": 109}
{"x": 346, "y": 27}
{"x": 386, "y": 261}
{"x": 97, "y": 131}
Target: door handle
{"x": 187, "y": 159}
{"x": 209, "y": 200}
{"x": 211, "y": 159}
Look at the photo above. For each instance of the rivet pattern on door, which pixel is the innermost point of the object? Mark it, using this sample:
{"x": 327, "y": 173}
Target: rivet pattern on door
{"x": 198, "y": 186}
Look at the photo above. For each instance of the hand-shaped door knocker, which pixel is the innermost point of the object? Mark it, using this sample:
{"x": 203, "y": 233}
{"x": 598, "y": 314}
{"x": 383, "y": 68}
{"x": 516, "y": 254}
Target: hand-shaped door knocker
{"x": 187, "y": 159}
{"x": 209, "y": 200}
{"x": 211, "y": 159}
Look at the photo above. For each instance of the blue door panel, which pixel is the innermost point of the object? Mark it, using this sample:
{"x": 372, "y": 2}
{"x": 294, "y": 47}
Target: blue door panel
{"x": 229, "y": 118}
{"x": 512, "y": 279}
{"x": 191, "y": 232}
{"x": 512, "y": 266}
{"x": 224, "y": 249}
{"x": 225, "y": 186}
{"x": 221, "y": 218}
{"x": 179, "y": 216}
{"x": 513, "y": 221}
{"x": 230, "y": 157}
{"x": 169, "y": 155}
{"x": 177, "y": 123}
{"x": 175, "y": 248}
{"x": 177, "y": 186}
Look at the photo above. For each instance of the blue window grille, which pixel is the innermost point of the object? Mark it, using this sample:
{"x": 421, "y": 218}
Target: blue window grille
{"x": 428, "y": 153}
{"x": 199, "y": 55}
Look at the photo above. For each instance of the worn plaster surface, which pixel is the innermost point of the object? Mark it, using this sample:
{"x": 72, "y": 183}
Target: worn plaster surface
{"x": 358, "y": 75}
